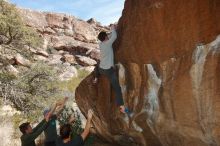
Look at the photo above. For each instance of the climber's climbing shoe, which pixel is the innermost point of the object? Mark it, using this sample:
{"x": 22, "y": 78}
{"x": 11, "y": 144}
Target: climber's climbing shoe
{"x": 95, "y": 81}
{"x": 128, "y": 112}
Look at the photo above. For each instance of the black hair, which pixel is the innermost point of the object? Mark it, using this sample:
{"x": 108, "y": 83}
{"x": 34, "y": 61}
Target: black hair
{"x": 102, "y": 35}
{"x": 23, "y": 127}
{"x": 65, "y": 131}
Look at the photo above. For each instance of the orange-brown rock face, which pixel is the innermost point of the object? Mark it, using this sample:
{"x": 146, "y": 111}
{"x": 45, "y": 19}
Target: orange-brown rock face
{"x": 171, "y": 83}
{"x": 153, "y": 30}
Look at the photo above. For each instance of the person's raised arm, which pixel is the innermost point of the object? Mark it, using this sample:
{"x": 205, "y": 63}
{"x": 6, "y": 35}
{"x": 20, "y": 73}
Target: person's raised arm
{"x": 52, "y": 110}
{"x": 88, "y": 125}
{"x": 113, "y": 35}
{"x": 38, "y": 125}
{"x": 62, "y": 104}
{"x": 71, "y": 119}
{"x": 41, "y": 126}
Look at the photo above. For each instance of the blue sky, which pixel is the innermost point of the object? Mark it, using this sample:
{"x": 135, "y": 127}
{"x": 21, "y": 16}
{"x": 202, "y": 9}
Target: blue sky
{"x": 105, "y": 11}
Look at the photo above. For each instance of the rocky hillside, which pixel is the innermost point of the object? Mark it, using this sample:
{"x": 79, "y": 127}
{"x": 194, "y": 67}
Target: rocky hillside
{"x": 67, "y": 41}
{"x": 168, "y": 54}
{"x": 69, "y": 47}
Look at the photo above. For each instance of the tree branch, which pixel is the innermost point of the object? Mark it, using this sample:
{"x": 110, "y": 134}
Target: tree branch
{"x": 10, "y": 36}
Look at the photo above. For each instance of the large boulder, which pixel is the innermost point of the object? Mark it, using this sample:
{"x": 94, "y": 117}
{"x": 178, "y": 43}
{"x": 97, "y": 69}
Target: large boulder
{"x": 94, "y": 54}
{"x": 71, "y": 45}
{"x": 68, "y": 73}
{"x": 69, "y": 58}
{"x": 49, "y": 30}
{"x": 12, "y": 70}
{"x": 85, "y": 30}
{"x": 42, "y": 53}
{"x": 168, "y": 54}
{"x": 55, "y": 59}
{"x": 168, "y": 28}
{"x": 20, "y": 60}
{"x": 88, "y": 68}
{"x": 85, "y": 61}
{"x": 62, "y": 24}
{"x": 54, "y": 20}
{"x": 40, "y": 58}
{"x": 64, "y": 32}
{"x": 33, "y": 18}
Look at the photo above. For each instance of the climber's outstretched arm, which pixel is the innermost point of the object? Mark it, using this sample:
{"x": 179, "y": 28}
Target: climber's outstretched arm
{"x": 62, "y": 105}
{"x": 113, "y": 35}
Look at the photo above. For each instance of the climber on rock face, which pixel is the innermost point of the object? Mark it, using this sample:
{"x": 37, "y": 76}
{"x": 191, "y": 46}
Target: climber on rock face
{"x": 106, "y": 65}
{"x": 50, "y": 131}
{"x": 65, "y": 133}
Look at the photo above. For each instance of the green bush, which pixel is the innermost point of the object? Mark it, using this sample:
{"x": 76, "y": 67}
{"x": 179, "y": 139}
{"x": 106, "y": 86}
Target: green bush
{"x": 32, "y": 90}
{"x": 74, "y": 82}
{"x": 36, "y": 88}
{"x": 12, "y": 28}
{"x": 15, "y": 36}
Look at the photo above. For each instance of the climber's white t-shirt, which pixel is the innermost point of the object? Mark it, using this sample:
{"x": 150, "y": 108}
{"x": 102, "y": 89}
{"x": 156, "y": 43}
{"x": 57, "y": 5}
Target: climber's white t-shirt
{"x": 106, "y": 52}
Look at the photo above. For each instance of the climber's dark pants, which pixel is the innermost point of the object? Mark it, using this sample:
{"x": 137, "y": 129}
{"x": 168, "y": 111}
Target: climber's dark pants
{"x": 96, "y": 71}
{"x": 110, "y": 73}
